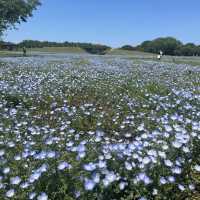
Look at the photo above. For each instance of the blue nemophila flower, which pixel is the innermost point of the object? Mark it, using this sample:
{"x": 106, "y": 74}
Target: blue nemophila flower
{"x": 177, "y": 144}
{"x": 181, "y": 187}
{"x": 90, "y": 166}
{"x": 146, "y": 160}
{"x": 24, "y": 185}
{"x": 2, "y": 185}
{"x": 17, "y": 157}
{"x": 89, "y": 184}
{"x": 197, "y": 168}
{"x": 165, "y": 147}
{"x": 2, "y": 152}
{"x": 6, "y": 170}
{"x": 166, "y": 135}
{"x": 96, "y": 177}
{"x": 106, "y": 182}
{"x": 191, "y": 187}
{"x": 15, "y": 180}
{"x": 162, "y": 154}
{"x": 81, "y": 148}
{"x": 13, "y": 111}
{"x": 70, "y": 144}
{"x": 77, "y": 194}
{"x": 171, "y": 179}
{"x": 97, "y": 139}
{"x": 155, "y": 192}
{"x": 71, "y": 131}
{"x": 109, "y": 178}
{"x": 122, "y": 185}
{"x": 152, "y": 152}
{"x": 100, "y": 133}
{"x": 168, "y": 128}
{"x": 128, "y": 166}
{"x": 142, "y": 198}
{"x": 43, "y": 168}
{"x": 65, "y": 109}
{"x": 141, "y": 127}
{"x": 163, "y": 181}
{"x": 64, "y": 165}
{"x": 35, "y": 176}
{"x": 102, "y": 164}
{"x": 32, "y": 195}
{"x": 176, "y": 170}
{"x": 11, "y": 144}
{"x": 91, "y": 132}
{"x": 51, "y": 154}
{"x": 81, "y": 154}
{"x": 10, "y": 193}
{"x": 186, "y": 149}
{"x": 41, "y": 156}
{"x": 168, "y": 163}
{"x": 42, "y": 196}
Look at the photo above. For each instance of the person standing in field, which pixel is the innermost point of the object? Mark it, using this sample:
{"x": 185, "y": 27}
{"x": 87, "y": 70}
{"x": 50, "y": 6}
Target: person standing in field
{"x": 159, "y": 56}
{"x": 24, "y": 51}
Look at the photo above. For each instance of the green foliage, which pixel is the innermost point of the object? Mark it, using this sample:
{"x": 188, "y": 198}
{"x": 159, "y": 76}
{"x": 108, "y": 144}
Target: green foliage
{"x": 15, "y": 11}
{"x": 88, "y": 47}
{"x": 128, "y": 47}
{"x": 170, "y": 46}
{"x": 188, "y": 49}
{"x": 95, "y": 49}
{"x": 167, "y": 45}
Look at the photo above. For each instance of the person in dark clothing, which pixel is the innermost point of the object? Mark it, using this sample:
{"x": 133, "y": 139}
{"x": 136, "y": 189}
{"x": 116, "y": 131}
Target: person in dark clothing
{"x": 24, "y": 51}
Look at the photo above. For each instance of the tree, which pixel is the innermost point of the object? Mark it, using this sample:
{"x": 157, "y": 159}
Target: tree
{"x": 168, "y": 45}
{"x": 15, "y": 11}
{"x": 128, "y": 48}
{"x": 95, "y": 48}
{"x": 146, "y": 46}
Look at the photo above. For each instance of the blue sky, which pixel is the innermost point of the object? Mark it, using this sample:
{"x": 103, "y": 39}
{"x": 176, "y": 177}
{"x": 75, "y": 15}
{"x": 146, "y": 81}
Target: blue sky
{"x": 111, "y": 22}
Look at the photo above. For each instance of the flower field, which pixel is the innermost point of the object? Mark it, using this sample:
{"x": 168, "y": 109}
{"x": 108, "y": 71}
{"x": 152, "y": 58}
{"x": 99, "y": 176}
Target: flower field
{"x": 98, "y": 127}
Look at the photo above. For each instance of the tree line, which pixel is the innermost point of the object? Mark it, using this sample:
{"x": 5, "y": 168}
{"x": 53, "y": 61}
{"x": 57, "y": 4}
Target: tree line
{"x": 168, "y": 45}
{"x": 88, "y": 47}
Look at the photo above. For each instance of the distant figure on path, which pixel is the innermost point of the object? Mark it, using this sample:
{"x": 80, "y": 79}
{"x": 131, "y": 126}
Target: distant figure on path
{"x": 160, "y": 55}
{"x": 24, "y": 51}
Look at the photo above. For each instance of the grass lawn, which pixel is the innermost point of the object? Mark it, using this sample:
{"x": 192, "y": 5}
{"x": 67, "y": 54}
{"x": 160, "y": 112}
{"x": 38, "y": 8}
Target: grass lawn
{"x": 58, "y": 50}
{"x": 10, "y": 53}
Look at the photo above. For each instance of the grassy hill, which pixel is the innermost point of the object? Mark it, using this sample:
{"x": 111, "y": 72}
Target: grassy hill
{"x": 58, "y": 50}
{"x": 130, "y": 53}
{"x": 5, "y": 53}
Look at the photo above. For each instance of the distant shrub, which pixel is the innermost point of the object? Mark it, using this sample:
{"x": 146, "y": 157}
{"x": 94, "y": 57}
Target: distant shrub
{"x": 96, "y": 49}
{"x": 128, "y": 48}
